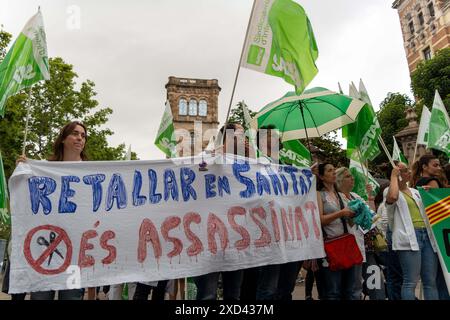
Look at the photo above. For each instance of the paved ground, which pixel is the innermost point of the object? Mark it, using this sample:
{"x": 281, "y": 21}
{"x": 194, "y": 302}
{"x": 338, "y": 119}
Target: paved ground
{"x": 299, "y": 292}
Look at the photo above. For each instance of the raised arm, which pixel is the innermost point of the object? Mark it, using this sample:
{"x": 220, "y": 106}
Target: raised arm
{"x": 394, "y": 190}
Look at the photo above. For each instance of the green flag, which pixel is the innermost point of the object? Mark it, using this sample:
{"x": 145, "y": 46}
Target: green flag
{"x": 353, "y": 92}
{"x": 439, "y": 130}
{"x": 4, "y": 215}
{"x": 165, "y": 139}
{"x": 363, "y": 134}
{"x": 281, "y": 42}
{"x": 250, "y": 132}
{"x": 26, "y": 62}
{"x": 437, "y": 208}
{"x": 397, "y": 153}
{"x": 359, "y": 172}
{"x": 422, "y": 136}
{"x": 293, "y": 152}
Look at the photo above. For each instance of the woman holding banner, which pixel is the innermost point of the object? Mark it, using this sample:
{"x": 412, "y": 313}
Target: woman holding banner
{"x": 334, "y": 217}
{"x": 427, "y": 173}
{"x": 410, "y": 236}
{"x": 69, "y": 146}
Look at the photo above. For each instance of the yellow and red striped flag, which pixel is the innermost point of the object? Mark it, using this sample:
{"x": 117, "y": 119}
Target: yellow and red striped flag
{"x": 438, "y": 211}
{"x": 437, "y": 208}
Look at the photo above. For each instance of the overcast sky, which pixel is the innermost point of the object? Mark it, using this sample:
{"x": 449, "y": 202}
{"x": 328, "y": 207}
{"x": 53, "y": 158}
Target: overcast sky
{"x": 130, "y": 48}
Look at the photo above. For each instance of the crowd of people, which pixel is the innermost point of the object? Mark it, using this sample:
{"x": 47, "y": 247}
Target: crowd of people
{"x": 399, "y": 249}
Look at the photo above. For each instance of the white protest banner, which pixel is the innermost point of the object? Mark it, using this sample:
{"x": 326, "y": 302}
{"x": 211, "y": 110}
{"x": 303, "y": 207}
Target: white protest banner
{"x": 127, "y": 221}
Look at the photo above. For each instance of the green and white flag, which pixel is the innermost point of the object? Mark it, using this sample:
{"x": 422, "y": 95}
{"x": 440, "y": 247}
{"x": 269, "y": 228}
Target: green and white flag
{"x": 363, "y": 134}
{"x": 26, "y": 62}
{"x": 4, "y": 214}
{"x": 353, "y": 92}
{"x": 128, "y": 156}
{"x": 281, "y": 42}
{"x": 359, "y": 172}
{"x": 295, "y": 153}
{"x": 422, "y": 136}
{"x": 165, "y": 139}
{"x": 439, "y": 136}
{"x": 397, "y": 153}
{"x": 251, "y": 133}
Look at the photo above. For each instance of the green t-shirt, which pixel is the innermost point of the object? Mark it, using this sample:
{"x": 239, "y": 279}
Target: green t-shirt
{"x": 414, "y": 211}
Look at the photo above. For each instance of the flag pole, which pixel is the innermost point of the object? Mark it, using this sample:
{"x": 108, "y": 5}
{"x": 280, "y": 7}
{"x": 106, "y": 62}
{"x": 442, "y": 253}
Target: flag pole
{"x": 239, "y": 66}
{"x": 386, "y": 151}
{"x": 362, "y": 166}
{"x": 415, "y": 151}
{"x": 383, "y": 145}
{"x": 27, "y": 121}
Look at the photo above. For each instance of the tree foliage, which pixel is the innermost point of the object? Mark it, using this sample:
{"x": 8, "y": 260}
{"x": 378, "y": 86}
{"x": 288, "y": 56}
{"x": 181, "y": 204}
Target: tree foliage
{"x": 433, "y": 75}
{"x": 330, "y": 150}
{"x": 5, "y": 38}
{"x": 53, "y": 104}
{"x": 392, "y": 119}
{"x": 237, "y": 114}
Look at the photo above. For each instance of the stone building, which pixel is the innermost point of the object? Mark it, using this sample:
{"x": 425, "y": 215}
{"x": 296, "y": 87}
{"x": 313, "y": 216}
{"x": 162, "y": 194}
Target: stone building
{"x": 425, "y": 26}
{"x": 426, "y": 29}
{"x": 408, "y": 136}
{"x": 194, "y": 104}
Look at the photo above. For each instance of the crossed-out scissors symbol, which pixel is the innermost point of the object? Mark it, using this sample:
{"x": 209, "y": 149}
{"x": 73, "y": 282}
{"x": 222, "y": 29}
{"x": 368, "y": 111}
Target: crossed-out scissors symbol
{"x": 44, "y": 242}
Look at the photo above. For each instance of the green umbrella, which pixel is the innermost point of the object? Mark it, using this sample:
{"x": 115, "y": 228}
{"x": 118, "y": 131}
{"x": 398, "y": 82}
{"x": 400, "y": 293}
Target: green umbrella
{"x": 314, "y": 113}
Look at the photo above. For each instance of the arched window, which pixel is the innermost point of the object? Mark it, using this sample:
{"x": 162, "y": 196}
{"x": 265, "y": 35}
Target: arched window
{"x": 182, "y": 105}
{"x": 193, "y": 107}
{"x": 203, "y": 108}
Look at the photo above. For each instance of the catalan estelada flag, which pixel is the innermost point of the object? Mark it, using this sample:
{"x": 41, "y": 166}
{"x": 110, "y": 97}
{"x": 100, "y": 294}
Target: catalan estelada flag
{"x": 437, "y": 208}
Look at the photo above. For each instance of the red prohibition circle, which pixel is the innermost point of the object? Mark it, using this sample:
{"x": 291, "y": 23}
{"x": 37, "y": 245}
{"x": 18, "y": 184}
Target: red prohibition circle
{"x": 36, "y": 264}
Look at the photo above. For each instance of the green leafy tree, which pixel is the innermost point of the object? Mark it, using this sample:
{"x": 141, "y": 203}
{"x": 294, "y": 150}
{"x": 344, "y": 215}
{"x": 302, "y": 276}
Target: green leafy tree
{"x": 392, "y": 120}
{"x": 53, "y": 104}
{"x": 328, "y": 148}
{"x": 430, "y": 76}
{"x": 237, "y": 114}
{"x": 5, "y": 38}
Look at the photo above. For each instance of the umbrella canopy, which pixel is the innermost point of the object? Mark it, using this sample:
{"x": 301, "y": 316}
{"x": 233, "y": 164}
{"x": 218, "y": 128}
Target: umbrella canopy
{"x": 312, "y": 114}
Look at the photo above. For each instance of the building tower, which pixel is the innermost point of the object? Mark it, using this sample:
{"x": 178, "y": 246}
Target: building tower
{"x": 408, "y": 136}
{"x": 425, "y": 26}
{"x": 194, "y": 104}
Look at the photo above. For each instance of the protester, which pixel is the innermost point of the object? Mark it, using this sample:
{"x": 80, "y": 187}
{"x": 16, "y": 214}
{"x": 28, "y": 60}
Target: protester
{"x": 261, "y": 283}
{"x": 380, "y": 258}
{"x": 116, "y": 291}
{"x": 334, "y": 217}
{"x": 447, "y": 174}
{"x": 172, "y": 289}
{"x": 232, "y": 280}
{"x": 345, "y": 183}
{"x": 157, "y": 288}
{"x": 427, "y": 173}
{"x": 393, "y": 271}
{"x": 410, "y": 237}
{"x": 69, "y": 146}
{"x": 286, "y": 273}
{"x": 312, "y": 273}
